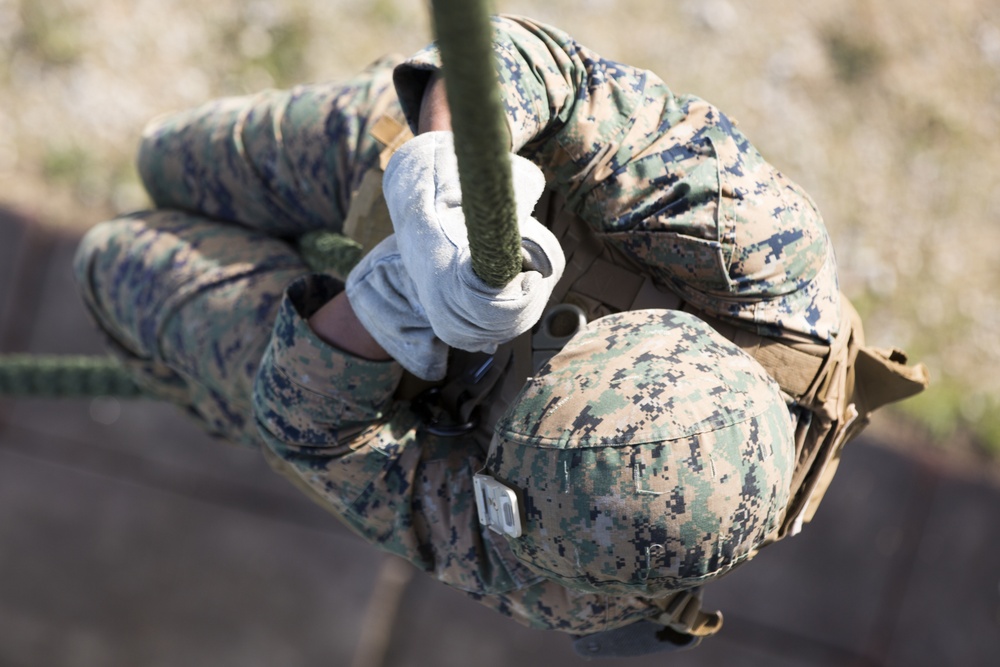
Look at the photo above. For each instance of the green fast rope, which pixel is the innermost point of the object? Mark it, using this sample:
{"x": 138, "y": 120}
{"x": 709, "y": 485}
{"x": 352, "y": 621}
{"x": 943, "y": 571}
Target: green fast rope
{"x": 482, "y": 147}
{"x": 330, "y": 252}
{"x": 64, "y": 376}
{"x": 482, "y": 142}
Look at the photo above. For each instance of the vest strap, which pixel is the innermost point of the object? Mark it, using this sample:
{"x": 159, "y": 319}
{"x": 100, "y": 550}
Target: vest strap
{"x": 683, "y": 613}
{"x": 368, "y": 221}
{"x": 391, "y": 134}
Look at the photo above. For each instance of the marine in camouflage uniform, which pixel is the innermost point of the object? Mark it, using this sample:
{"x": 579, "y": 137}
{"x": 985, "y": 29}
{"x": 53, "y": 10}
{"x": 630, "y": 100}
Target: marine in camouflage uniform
{"x": 207, "y": 299}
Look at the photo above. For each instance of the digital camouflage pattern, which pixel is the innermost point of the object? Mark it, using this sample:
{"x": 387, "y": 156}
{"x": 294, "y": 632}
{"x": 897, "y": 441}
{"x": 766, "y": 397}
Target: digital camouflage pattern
{"x": 207, "y": 299}
{"x": 667, "y": 179}
{"x": 281, "y": 162}
{"x": 650, "y": 455}
{"x": 188, "y": 304}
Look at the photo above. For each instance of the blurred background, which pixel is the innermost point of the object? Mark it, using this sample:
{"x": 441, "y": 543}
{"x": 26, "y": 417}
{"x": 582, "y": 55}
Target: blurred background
{"x": 888, "y": 113}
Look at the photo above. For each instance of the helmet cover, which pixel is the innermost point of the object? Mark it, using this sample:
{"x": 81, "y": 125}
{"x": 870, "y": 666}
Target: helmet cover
{"x": 650, "y": 455}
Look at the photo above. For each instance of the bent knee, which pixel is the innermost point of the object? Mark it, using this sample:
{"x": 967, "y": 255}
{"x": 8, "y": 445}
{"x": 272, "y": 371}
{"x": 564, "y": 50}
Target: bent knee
{"x": 104, "y": 248}
{"x": 96, "y": 266}
{"x": 93, "y": 244}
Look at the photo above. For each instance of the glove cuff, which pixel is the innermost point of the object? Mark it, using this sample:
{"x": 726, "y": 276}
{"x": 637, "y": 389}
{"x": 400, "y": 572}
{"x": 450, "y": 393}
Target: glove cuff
{"x": 384, "y": 301}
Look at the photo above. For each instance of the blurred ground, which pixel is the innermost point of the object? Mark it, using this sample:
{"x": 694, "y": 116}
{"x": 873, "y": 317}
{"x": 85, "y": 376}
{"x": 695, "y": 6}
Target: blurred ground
{"x": 127, "y": 537}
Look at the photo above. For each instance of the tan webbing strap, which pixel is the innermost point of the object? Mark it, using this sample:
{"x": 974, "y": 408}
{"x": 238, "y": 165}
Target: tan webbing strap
{"x": 682, "y": 612}
{"x": 549, "y": 211}
{"x": 834, "y": 418}
{"x": 391, "y": 134}
{"x": 882, "y": 377}
{"x": 793, "y": 369}
{"x": 368, "y": 220}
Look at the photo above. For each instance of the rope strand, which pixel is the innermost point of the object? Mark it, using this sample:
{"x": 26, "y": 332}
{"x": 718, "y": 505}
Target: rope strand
{"x": 482, "y": 141}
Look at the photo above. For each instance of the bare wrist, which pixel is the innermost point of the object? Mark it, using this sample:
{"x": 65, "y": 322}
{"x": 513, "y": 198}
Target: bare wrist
{"x": 335, "y": 323}
{"x": 434, "y": 111}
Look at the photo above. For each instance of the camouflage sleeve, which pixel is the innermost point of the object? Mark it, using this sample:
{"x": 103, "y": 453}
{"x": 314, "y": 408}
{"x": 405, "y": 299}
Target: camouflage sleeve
{"x": 309, "y": 390}
{"x": 667, "y": 179}
{"x": 282, "y": 162}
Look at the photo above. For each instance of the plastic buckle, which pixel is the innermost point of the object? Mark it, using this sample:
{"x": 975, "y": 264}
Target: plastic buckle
{"x": 497, "y": 506}
{"x": 428, "y": 407}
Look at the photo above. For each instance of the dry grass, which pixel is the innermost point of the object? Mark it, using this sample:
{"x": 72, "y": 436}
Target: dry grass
{"x": 887, "y": 112}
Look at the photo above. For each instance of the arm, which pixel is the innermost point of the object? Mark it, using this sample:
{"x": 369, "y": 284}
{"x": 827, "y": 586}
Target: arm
{"x": 283, "y": 162}
{"x": 553, "y": 89}
{"x": 669, "y": 180}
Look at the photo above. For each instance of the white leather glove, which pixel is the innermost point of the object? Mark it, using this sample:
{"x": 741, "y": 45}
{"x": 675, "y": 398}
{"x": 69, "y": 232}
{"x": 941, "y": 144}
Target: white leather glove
{"x": 384, "y": 299}
{"x": 422, "y": 190}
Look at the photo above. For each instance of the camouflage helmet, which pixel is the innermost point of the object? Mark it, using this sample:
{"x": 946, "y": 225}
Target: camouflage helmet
{"x": 650, "y": 455}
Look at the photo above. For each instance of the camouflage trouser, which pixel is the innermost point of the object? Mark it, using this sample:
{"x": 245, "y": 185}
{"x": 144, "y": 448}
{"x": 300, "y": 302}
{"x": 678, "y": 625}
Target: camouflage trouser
{"x": 188, "y": 300}
{"x": 188, "y": 304}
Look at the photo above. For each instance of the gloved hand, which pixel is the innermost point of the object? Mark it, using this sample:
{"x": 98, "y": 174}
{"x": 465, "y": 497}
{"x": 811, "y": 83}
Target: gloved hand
{"x": 425, "y": 202}
{"x": 384, "y": 299}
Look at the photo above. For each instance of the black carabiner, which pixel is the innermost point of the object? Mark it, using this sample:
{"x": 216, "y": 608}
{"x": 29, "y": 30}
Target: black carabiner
{"x": 428, "y": 407}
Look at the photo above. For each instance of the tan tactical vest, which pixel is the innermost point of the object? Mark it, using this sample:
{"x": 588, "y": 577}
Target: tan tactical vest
{"x": 838, "y": 385}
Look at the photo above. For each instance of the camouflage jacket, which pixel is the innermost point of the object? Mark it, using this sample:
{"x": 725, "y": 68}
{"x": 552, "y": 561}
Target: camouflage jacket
{"x": 667, "y": 179}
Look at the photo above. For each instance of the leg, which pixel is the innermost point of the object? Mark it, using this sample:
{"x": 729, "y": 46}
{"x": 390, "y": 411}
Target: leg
{"x": 188, "y": 303}
{"x": 282, "y": 162}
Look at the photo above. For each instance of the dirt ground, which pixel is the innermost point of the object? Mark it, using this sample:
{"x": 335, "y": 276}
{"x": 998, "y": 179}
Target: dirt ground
{"x": 887, "y": 112}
